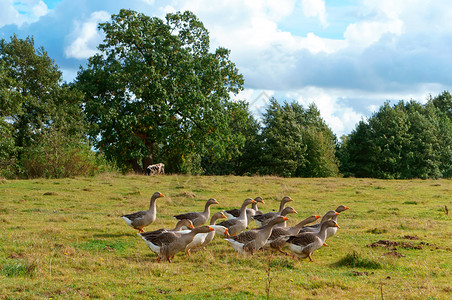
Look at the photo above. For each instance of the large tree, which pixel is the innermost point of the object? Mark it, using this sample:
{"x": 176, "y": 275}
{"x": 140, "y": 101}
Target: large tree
{"x": 155, "y": 92}
{"x": 35, "y": 105}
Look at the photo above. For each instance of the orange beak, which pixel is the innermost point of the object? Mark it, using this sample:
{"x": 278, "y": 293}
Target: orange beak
{"x": 211, "y": 229}
{"x": 226, "y": 232}
{"x": 345, "y": 207}
{"x": 290, "y": 199}
{"x": 223, "y": 216}
{"x": 294, "y": 211}
{"x": 161, "y": 195}
{"x": 216, "y": 202}
{"x": 336, "y": 213}
{"x": 285, "y": 218}
{"x": 191, "y": 225}
{"x": 253, "y": 201}
{"x": 336, "y": 226}
{"x": 317, "y": 217}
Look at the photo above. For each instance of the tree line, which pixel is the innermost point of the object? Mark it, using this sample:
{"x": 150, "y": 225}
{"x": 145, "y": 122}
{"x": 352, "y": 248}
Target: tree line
{"x": 156, "y": 92}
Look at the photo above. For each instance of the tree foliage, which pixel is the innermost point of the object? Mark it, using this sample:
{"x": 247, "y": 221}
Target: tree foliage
{"x": 297, "y": 142}
{"x": 33, "y": 104}
{"x": 156, "y": 93}
{"x": 407, "y": 140}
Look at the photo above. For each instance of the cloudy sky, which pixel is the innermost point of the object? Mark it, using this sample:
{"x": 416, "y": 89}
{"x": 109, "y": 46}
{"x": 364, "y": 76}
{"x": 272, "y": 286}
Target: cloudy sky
{"x": 347, "y": 56}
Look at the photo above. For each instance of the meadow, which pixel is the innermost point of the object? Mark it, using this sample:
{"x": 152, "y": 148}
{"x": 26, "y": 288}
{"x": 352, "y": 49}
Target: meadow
{"x": 64, "y": 239}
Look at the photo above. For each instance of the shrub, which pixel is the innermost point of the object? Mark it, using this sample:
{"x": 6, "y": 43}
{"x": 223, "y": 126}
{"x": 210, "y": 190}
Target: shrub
{"x": 54, "y": 155}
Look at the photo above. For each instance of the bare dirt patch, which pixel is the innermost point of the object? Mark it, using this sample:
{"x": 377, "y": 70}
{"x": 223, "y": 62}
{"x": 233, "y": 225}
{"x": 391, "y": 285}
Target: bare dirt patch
{"x": 393, "y": 245}
{"x": 394, "y": 254}
{"x": 411, "y": 237}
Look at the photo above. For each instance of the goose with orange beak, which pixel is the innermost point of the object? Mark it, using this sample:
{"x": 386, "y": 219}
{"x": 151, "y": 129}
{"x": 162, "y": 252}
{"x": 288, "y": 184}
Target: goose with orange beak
{"x": 143, "y": 218}
{"x": 304, "y": 244}
{"x": 166, "y": 245}
{"x": 252, "y": 240}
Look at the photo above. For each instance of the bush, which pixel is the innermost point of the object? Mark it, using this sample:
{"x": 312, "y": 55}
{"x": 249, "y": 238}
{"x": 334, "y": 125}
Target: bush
{"x": 56, "y": 156}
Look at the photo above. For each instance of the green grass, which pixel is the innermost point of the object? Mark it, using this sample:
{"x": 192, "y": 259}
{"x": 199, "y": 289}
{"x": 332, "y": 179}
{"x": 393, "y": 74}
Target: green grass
{"x": 14, "y": 267}
{"x": 356, "y": 260}
{"x": 64, "y": 239}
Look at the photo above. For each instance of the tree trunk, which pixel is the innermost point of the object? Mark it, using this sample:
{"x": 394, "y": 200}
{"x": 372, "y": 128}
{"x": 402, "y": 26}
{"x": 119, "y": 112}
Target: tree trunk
{"x": 136, "y": 167}
{"x": 149, "y": 160}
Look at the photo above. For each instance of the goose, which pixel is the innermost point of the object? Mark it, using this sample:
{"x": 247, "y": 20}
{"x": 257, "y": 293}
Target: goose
{"x": 143, "y": 218}
{"x": 198, "y": 218}
{"x": 182, "y": 223}
{"x": 252, "y": 240}
{"x": 202, "y": 239}
{"x": 218, "y": 228}
{"x": 168, "y": 244}
{"x": 316, "y": 227}
{"x": 235, "y": 226}
{"x": 304, "y": 244}
{"x": 332, "y": 230}
{"x": 276, "y": 240}
{"x": 263, "y": 219}
{"x": 250, "y": 212}
{"x": 286, "y": 210}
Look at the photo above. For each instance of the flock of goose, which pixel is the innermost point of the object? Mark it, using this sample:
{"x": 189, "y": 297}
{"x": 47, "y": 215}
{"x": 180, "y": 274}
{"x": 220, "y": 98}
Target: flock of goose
{"x": 271, "y": 233}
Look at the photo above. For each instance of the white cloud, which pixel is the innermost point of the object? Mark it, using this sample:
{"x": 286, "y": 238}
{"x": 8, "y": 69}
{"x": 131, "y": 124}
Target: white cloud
{"x": 258, "y": 100}
{"x": 366, "y": 33}
{"x": 21, "y": 12}
{"x": 339, "y": 117}
{"x": 148, "y": 2}
{"x": 315, "y": 8}
{"x": 373, "y": 108}
{"x": 339, "y": 112}
{"x": 85, "y": 37}
{"x": 316, "y": 44}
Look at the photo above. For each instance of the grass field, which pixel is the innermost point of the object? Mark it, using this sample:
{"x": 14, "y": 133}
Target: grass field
{"x": 64, "y": 239}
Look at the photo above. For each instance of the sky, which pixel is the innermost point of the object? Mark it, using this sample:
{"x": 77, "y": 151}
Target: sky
{"x": 347, "y": 56}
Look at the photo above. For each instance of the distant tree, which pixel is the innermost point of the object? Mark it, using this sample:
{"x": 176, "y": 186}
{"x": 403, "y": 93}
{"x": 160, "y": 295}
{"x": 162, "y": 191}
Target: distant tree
{"x": 283, "y": 146}
{"x": 242, "y": 154}
{"x": 407, "y": 140}
{"x": 320, "y": 143}
{"x": 390, "y": 127}
{"x": 250, "y": 159}
{"x": 9, "y": 104}
{"x": 443, "y": 102}
{"x": 34, "y": 103}
{"x": 297, "y": 142}
{"x": 357, "y": 153}
{"x": 156, "y": 94}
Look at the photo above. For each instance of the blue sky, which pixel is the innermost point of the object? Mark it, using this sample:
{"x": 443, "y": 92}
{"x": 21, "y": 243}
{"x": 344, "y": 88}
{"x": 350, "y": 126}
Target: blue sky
{"x": 348, "y": 57}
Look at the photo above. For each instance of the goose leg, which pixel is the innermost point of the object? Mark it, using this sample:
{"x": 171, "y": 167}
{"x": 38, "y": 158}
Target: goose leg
{"x": 310, "y": 258}
{"x": 280, "y": 250}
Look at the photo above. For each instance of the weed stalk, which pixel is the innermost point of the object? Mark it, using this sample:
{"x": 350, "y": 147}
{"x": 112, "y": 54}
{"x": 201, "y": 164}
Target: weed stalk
{"x": 269, "y": 278}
